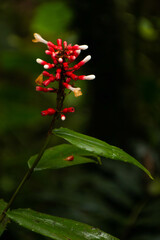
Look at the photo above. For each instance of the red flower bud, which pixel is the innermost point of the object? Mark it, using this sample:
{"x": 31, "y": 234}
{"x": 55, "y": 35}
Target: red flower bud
{"x": 59, "y": 42}
{"x": 46, "y": 82}
{"x": 73, "y": 76}
{"x": 51, "y": 111}
{"x": 65, "y": 65}
{"x": 44, "y": 113}
{"x": 70, "y": 109}
{"x": 50, "y": 44}
{"x": 58, "y": 73}
{"x": 38, "y": 89}
{"x": 46, "y": 74}
{"x": 48, "y": 52}
{"x": 69, "y": 158}
{"x": 65, "y": 44}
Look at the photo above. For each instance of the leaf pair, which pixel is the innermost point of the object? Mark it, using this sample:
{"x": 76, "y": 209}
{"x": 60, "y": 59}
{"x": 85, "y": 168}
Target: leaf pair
{"x": 82, "y": 146}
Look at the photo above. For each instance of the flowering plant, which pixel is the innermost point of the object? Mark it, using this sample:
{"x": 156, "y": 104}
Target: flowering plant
{"x": 61, "y": 56}
{"x": 81, "y": 148}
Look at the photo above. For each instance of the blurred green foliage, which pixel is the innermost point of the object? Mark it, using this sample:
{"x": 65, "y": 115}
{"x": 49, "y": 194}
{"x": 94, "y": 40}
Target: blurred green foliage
{"x": 123, "y": 39}
{"x": 147, "y": 30}
{"x": 61, "y": 13}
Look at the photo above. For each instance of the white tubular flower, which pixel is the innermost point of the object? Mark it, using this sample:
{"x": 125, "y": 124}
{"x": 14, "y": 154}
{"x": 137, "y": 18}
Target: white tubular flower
{"x": 89, "y": 77}
{"x": 38, "y": 38}
{"x": 83, "y": 47}
{"x": 81, "y": 63}
{"x": 86, "y": 59}
{"x": 40, "y": 61}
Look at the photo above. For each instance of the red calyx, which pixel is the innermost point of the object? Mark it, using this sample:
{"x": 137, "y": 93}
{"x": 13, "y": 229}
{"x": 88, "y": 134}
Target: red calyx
{"x": 49, "y": 111}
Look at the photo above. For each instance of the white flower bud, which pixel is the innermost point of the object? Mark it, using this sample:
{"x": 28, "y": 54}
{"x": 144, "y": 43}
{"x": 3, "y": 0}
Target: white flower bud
{"x": 38, "y": 60}
{"x": 46, "y": 66}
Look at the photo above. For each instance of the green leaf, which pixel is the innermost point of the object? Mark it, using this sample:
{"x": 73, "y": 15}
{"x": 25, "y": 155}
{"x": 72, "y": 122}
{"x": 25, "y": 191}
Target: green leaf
{"x": 55, "y": 157}
{"x": 55, "y": 227}
{"x": 98, "y": 147}
{"x": 5, "y": 220}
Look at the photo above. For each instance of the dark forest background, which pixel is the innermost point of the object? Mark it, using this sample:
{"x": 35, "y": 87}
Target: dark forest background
{"x": 121, "y": 106}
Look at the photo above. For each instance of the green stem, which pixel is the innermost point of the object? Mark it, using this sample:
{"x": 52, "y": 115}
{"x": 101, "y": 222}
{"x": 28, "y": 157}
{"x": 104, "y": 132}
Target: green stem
{"x": 60, "y": 100}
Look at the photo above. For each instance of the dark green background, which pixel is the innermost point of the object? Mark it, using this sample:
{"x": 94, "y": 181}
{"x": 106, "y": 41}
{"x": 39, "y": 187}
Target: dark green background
{"x": 121, "y": 106}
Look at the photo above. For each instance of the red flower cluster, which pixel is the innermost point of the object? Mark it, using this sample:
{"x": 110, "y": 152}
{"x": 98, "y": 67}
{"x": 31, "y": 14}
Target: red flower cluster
{"x": 62, "y": 56}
